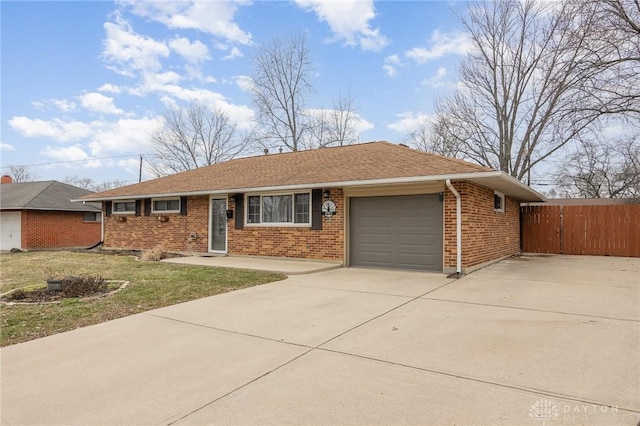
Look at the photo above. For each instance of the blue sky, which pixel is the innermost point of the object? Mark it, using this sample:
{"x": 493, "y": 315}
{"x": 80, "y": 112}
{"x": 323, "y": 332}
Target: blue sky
{"x": 89, "y": 80}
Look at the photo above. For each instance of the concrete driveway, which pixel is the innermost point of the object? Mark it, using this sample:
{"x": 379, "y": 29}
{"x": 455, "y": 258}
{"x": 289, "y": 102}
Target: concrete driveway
{"x": 533, "y": 340}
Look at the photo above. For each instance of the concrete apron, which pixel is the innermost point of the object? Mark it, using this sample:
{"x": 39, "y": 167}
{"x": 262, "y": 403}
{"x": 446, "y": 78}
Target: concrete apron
{"x": 352, "y": 346}
{"x": 283, "y": 266}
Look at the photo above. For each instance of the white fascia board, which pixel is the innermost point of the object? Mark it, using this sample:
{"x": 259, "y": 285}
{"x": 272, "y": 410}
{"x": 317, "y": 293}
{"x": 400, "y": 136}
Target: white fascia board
{"x": 386, "y": 181}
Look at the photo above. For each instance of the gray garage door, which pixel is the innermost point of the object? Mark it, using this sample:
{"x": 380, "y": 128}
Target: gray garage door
{"x": 402, "y": 232}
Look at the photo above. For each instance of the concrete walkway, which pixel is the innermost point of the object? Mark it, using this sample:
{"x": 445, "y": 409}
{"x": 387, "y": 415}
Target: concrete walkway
{"x": 528, "y": 341}
{"x": 283, "y": 266}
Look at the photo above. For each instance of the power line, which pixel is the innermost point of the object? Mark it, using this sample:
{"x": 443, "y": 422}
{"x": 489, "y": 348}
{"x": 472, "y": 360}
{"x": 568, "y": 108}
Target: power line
{"x": 76, "y": 161}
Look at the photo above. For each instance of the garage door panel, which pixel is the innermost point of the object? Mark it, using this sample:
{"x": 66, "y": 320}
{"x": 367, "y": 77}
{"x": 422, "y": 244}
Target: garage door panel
{"x": 396, "y": 232}
{"x": 10, "y": 230}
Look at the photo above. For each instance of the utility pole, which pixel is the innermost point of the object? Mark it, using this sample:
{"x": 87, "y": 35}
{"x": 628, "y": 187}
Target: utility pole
{"x": 140, "y": 172}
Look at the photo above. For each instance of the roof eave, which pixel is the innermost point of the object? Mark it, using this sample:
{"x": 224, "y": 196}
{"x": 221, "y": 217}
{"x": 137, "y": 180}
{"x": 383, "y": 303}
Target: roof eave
{"x": 520, "y": 190}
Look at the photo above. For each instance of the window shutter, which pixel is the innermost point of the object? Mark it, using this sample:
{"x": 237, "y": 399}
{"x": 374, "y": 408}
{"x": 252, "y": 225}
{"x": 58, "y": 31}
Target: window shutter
{"x": 147, "y": 206}
{"x": 138, "y": 207}
{"x": 316, "y": 209}
{"x": 183, "y": 206}
{"x": 107, "y": 207}
{"x": 239, "y": 211}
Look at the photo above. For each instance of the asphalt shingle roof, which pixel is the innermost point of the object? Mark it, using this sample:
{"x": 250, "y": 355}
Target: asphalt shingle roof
{"x": 44, "y": 195}
{"x": 361, "y": 162}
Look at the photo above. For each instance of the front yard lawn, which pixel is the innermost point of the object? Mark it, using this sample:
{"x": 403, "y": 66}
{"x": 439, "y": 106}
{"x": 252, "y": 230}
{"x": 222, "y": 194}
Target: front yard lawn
{"x": 153, "y": 285}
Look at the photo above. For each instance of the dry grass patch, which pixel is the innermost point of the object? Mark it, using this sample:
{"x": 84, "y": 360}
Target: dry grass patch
{"x": 153, "y": 285}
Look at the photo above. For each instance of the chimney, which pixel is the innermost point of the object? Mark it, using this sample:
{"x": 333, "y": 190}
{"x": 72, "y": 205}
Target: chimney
{"x": 6, "y": 179}
{"x": 266, "y": 151}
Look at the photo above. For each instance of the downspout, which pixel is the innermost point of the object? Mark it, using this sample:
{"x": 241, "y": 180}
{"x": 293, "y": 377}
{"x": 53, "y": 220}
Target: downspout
{"x": 458, "y": 228}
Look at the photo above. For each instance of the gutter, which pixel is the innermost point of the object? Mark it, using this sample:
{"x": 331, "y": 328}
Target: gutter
{"x": 458, "y": 228}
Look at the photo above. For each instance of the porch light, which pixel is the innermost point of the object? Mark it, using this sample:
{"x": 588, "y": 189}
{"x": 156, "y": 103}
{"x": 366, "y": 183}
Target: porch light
{"x": 326, "y": 193}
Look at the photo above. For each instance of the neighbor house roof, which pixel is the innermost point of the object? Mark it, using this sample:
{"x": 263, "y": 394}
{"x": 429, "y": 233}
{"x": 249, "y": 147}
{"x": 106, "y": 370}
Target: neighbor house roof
{"x": 45, "y": 195}
{"x": 372, "y": 163}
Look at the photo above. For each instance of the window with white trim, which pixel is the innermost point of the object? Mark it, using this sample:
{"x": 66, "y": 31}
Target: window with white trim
{"x": 279, "y": 209}
{"x": 165, "y": 205}
{"x": 498, "y": 201}
{"x": 124, "y": 207}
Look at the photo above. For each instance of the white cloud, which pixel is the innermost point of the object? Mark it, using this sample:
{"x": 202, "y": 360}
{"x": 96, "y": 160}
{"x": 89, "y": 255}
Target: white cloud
{"x": 391, "y": 65}
{"x": 60, "y": 130}
{"x": 130, "y": 51}
{"x": 99, "y": 103}
{"x": 109, "y": 88}
{"x": 212, "y": 17}
{"x": 60, "y": 104}
{"x": 438, "y": 80}
{"x": 72, "y": 153}
{"x": 349, "y": 21}
{"x": 408, "y": 122}
{"x": 359, "y": 124}
{"x": 242, "y": 115}
{"x": 6, "y": 147}
{"x": 193, "y": 52}
{"x": 123, "y": 136}
{"x": 244, "y": 82}
{"x": 441, "y": 45}
{"x": 234, "y": 53}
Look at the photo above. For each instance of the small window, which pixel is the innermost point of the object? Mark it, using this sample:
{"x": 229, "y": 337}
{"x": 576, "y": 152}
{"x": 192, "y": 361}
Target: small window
{"x": 498, "y": 201}
{"x": 166, "y": 205}
{"x": 124, "y": 207}
{"x": 302, "y": 208}
{"x": 92, "y": 217}
{"x": 253, "y": 213}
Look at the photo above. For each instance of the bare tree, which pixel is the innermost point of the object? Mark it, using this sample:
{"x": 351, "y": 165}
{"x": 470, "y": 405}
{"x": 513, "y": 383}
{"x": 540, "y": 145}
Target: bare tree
{"x": 194, "y": 137}
{"x": 22, "y": 174}
{"x": 281, "y": 84}
{"x": 84, "y": 183}
{"x": 89, "y": 184}
{"x": 601, "y": 169}
{"x": 615, "y": 52}
{"x": 431, "y": 136}
{"x": 333, "y": 127}
{"x": 522, "y": 85}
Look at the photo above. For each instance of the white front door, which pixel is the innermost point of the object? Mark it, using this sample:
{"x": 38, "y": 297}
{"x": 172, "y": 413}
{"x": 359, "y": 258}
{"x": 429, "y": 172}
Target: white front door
{"x": 218, "y": 225}
{"x": 10, "y": 230}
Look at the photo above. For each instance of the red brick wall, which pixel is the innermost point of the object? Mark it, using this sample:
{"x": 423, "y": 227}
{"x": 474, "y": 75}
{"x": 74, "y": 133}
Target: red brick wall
{"x": 58, "y": 229}
{"x": 486, "y": 234}
{"x": 146, "y": 232}
{"x": 300, "y": 242}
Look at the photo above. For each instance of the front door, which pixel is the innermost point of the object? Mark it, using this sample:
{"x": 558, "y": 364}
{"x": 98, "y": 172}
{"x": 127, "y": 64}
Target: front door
{"x": 218, "y": 225}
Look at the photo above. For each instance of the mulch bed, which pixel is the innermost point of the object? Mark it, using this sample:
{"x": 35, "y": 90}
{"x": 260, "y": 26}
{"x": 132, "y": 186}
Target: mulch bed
{"x": 44, "y": 295}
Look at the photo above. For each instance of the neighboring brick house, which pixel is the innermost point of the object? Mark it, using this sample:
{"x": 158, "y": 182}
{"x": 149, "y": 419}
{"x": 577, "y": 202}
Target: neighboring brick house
{"x": 40, "y": 215}
{"x": 375, "y": 204}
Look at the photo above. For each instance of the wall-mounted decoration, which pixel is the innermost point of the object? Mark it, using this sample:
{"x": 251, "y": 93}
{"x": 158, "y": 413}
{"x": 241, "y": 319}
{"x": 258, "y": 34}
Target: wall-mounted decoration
{"x": 328, "y": 208}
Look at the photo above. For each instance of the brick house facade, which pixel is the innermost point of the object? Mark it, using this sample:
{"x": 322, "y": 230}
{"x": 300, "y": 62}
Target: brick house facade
{"x": 400, "y": 183}
{"x": 41, "y": 215}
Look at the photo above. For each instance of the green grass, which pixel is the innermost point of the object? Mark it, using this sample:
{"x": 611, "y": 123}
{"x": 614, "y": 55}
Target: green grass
{"x": 153, "y": 285}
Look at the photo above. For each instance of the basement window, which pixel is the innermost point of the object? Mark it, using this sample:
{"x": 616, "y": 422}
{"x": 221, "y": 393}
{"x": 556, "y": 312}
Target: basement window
{"x": 498, "y": 201}
{"x": 166, "y": 205}
{"x": 124, "y": 207}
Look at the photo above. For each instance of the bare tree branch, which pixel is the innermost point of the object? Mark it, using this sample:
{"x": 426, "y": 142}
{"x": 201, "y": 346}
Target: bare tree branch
{"x": 281, "y": 84}
{"x": 522, "y": 94}
{"x": 333, "y": 127}
{"x": 602, "y": 169}
{"x": 194, "y": 137}
{"x": 21, "y": 174}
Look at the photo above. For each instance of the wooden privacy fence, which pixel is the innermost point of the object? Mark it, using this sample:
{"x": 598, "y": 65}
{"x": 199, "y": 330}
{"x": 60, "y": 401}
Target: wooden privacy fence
{"x": 602, "y": 230}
